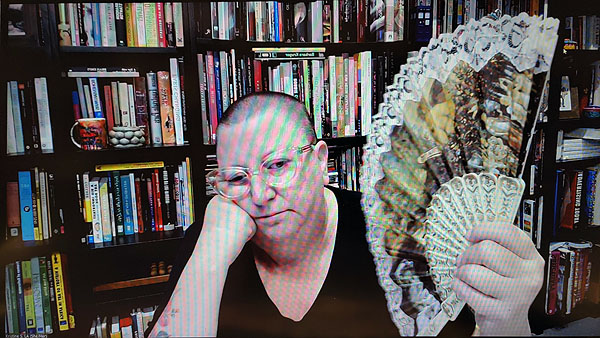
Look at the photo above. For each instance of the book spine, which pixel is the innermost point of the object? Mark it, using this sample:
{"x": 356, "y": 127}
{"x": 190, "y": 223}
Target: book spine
{"x": 150, "y": 195}
{"x": 31, "y": 107}
{"x": 88, "y": 100}
{"x": 44, "y": 211}
{"x": 11, "y": 138}
{"x": 105, "y": 210}
{"x": 20, "y": 297}
{"x": 43, "y": 110}
{"x": 52, "y": 294}
{"x": 217, "y": 73}
{"x": 25, "y": 193}
{"x": 156, "y": 188}
{"x": 203, "y": 99}
{"x": 124, "y": 104}
{"x": 118, "y": 203}
{"x": 168, "y": 210}
{"x": 12, "y": 297}
{"x": 178, "y": 23}
{"x": 110, "y": 120}
{"x": 36, "y": 286}
{"x": 138, "y": 201}
{"x": 96, "y": 24}
{"x": 166, "y": 110}
{"x": 96, "y": 210}
{"x": 177, "y": 194}
{"x": 103, "y": 23}
{"x": 82, "y": 103}
{"x": 61, "y": 306}
{"x": 13, "y": 217}
{"x": 140, "y": 27}
{"x": 577, "y": 212}
{"x": 87, "y": 206}
{"x": 131, "y": 101}
{"x": 141, "y": 108}
{"x": 160, "y": 25}
{"x": 169, "y": 24}
{"x": 28, "y": 296}
{"x": 16, "y": 111}
{"x": 212, "y": 95}
{"x": 26, "y": 118}
{"x": 127, "y": 207}
{"x": 47, "y": 313}
{"x": 72, "y": 14}
{"x": 130, "y": 26}
{"x": 35, "y": 203}
{"x": 176, "y": 101}
{"x": 154, "y": 107}
{"x": 134, "y": 210}
{"x": 95, "y": 93}
{"x": 111, "y": 24}
{"x": 150, "y": 24}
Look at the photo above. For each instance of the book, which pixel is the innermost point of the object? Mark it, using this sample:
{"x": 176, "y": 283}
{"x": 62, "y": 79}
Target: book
{"x": 47, "y": 312}
{"x": 127, "y": 207}
{"x": 96, "y": 210}
{"x": 105, "y": 210}
{"x": 13, "y": 217}
{"x": 43, "y": 111}
{"x": 36, "y": 286}
{"x": 155, "y": 132}
{"x": 166, "y": 109}
{"x": 25, "y": 201}
{"x": 176, "y": 101}
{"x": 61, "y": 305}
{"x": 141, "y": 107}
{"x": 28, "y": 296}
{"x": 129, "y": 166}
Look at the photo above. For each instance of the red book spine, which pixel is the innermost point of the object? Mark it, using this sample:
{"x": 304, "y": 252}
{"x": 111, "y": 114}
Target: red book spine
{"x": 553, "y": 283}
{"x": 138, "y": 202}
{"x": 110, "y": 120}
{"x": 257, "y": 76}
{"x": 160, "y": 23}
{"x": 212, "y": 94}
{"x": 151, "y": 204}
{"x": 157, "y": 203}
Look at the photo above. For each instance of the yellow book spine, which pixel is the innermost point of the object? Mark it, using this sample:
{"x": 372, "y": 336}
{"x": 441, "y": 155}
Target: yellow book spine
{"x": 130, "y": 166}
{"x": 87, "y": 202}
{"x": 61, "y": 302}
{"x": 130, "y": 27}
{"x": 150, "y": 24}
{"x": 28, "y": 293}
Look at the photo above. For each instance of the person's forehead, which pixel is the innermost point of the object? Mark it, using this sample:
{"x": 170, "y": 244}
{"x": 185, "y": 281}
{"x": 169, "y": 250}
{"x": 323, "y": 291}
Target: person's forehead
{"x": 247, "y": 142}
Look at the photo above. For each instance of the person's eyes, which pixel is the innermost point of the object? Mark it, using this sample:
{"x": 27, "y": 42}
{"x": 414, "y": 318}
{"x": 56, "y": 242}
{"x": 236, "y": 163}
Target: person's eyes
{"x": 235, "y": 178}
{"x": 277, "y": 164}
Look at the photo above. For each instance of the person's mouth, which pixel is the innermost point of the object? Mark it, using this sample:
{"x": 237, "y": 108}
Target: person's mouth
{"x": 267, "y": 216}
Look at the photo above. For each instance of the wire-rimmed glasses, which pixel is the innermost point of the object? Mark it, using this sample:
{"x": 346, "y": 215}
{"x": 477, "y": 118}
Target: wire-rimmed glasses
{"x": 278, "y": 169}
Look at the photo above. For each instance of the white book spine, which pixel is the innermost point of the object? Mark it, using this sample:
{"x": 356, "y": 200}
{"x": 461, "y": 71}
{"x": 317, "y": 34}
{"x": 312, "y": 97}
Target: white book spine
{"x": 11, "y": 140}
{"x": 114, "y": 90}
{"x": 335, "y": 25}
{"x": 332, "y": 91}
{"x": 131, "y": 102}
{"x": 88, "y": 100}
{"x": 233, "y": 71}
{"x": 96, "y": 211}
{"x": 88, "y": 24}
{"x": 388, "y": 33}
{"x": 43, "y": 107}
{"x": 103, "y": 16}
{"x": 124, "y": 104}
{"x": 222, "y": 21}
{"x": 36, "y": 287}
{"x": 539, "y": 224}
{"x": 111, "y": 24}
{"x": 133, "y": 203}
{"x": 113, "y": 224}
{"x": 9, "y": 304}
{"x": 368, "y": 77}
{"x": 154, "y": 108}
{"x": 96, "y": 103}
{"x": 45, "y": 221}
{"x": 176, "y": 101}
{"x": 316, "y": 22}
{"x": 82, "y": 103}
{"x": 105, "y": 210}
{"x": 73, "y": 23}
{"x": 16, "y": 111}
{"x": 140, "y": 26}
{"x": 178, "y": 22}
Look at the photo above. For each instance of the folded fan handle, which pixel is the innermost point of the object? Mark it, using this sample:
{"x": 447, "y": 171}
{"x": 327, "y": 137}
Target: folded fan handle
{"x": 451, "y": 305}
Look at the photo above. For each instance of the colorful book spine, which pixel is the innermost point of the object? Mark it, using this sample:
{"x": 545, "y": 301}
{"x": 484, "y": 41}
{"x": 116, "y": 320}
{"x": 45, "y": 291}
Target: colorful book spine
{"x": 96, "y": 210}
{"x": 46, "y": 296}
{"x": 127, "y": 207}
{"x": 154, "y": 109}
{"x": 16, "y": 112}
{"x": 105, "y": 210}
{"x": 176, "y": 101}
{"x": 87, "y": 202}
{"x": 178, "y": 23}
{"x": 43, "y": 110}
{"x": 25, "y": 193}
{"x": 59, "y": 291}
{"x": 28, "y": 296}
{"x": 134, "y": 210}
{"x": 150, "y": 24}
{"x": 36, "y": 286}
{"x": 166, "y": 109}
{"x": 141, "y": 106}
{"x": 20, "y": 297}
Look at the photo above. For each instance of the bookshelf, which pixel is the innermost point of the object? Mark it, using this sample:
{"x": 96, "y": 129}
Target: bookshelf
{"x": 568, "y": 62}
{"x": 112, "y": 278}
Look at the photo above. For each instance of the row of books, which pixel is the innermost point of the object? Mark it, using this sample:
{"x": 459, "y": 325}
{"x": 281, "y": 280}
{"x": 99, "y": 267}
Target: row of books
{"x": 582, "y": 32}
{"x": 576, "y": 197}
{"x": 343, "y": 167}
{"x": 338, "y": 91}
{"x": 434, "y": 17}
{"x": 120, "y": 200}
{"x": 332, "y": 21}
{"x": 121, "y": 24}
{"x": 28, "y": 125}
{"x": 530, "y": 219}
{"x": 569, "y": 275}
{"x": 155, "y": 102}
{"x": 31, "y": 210}
{"x": 130, "y": 326}
{"x": 578, "y": 144}
{"x": 38, "y": 296}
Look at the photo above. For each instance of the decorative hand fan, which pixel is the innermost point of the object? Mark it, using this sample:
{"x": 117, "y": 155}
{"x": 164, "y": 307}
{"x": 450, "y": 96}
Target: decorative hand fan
{"x": 446, "y": 153}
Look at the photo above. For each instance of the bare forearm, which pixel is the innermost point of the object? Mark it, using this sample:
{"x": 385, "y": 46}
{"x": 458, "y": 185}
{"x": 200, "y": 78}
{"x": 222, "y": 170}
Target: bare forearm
{"x": 518, "y": 325}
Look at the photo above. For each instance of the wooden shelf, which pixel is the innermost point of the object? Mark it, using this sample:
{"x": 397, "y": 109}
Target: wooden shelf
{"x": 578, "y": 163}
{"x": 578, "y": 123}
{"x": 330, "y": 48}
{"x": 143, "y": 238}
{"x": 15, "y": 249}
{"x": 131, "y": 283}
{"x": 120, "y": 50}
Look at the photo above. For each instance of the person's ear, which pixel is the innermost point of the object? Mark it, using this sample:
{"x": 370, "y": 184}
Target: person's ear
{"x": 322, "y": 156}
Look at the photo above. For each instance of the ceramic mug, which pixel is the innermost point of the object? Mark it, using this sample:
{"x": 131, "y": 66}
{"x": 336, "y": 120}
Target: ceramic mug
{"x": 91, "y": 133}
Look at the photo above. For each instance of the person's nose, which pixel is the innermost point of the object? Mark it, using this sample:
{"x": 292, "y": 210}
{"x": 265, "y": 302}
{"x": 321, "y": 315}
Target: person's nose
{"x": 260, "y": 191}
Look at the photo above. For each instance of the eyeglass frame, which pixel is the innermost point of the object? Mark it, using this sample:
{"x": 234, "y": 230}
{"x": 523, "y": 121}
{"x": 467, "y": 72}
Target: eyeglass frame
{"x": 299, "y": 151}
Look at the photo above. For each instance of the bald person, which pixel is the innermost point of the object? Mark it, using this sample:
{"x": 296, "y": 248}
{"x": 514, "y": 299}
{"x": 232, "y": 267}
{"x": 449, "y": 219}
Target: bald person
{"x": 280, "y": 253}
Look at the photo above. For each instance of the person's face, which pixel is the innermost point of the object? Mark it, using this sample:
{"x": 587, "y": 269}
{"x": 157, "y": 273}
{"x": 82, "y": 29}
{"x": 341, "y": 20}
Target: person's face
{"x": 290, "y": 214}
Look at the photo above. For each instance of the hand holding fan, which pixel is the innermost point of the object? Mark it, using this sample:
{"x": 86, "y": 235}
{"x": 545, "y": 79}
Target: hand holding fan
{"x": 446, "y": 154}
